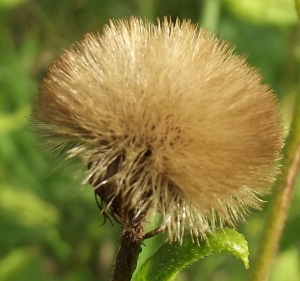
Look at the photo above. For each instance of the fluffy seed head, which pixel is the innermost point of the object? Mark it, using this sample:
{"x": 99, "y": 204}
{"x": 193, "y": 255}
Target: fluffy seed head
{"x": 166, "y": 119}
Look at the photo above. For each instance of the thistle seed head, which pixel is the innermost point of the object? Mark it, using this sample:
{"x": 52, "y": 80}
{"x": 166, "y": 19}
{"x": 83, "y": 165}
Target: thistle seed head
{"x": 167, "y": 119}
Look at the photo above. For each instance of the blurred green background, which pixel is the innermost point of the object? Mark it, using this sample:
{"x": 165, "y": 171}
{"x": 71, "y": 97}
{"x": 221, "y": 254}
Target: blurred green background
{"x": 50, "y": 225}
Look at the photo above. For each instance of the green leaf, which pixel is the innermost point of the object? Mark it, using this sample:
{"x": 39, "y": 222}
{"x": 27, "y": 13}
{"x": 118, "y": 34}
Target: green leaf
{"x": 170, "y": 258}
{"x": 279, "y": 12}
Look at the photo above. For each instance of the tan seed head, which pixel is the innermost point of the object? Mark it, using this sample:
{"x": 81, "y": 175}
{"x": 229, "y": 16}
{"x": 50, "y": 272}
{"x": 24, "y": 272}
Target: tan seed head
{"x": 166, "y": 119}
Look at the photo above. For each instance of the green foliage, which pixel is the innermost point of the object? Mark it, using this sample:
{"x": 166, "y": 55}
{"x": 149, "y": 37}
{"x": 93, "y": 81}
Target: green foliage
{"x": 11, "y": 3}
{"x": 279, "y": 12}
{"x": 170, "y": 259}
{"x": 50, "y": 226}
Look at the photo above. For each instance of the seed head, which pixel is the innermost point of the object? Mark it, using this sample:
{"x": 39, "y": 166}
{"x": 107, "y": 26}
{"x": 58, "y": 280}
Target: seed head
{"x": 167, "y": 120}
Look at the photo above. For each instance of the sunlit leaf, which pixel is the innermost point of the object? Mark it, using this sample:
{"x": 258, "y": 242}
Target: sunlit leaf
{"x": 28, "y": 209}
{"x": 274, "y": 12}
{"x": 11, "y": 3}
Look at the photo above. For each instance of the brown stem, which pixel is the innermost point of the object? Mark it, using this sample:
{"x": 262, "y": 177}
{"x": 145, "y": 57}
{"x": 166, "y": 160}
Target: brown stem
{"x": 132, "y": 237}
{"x": 281, "y": 201}
{"x": 276, "y": 220}
{"x": 154, "y": 232}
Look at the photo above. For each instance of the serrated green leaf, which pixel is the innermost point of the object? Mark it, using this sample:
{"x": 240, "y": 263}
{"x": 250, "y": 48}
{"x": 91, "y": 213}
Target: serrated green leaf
{"x": 170, "y": 258}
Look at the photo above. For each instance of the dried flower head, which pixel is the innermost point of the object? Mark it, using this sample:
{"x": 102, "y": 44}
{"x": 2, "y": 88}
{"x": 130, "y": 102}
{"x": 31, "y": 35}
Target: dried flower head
{"x": 166, "y": 119}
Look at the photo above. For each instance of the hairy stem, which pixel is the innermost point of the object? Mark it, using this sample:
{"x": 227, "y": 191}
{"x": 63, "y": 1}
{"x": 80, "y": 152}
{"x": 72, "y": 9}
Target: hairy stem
{"x": 132, "y": 237}
{"x": 281, "y": 200}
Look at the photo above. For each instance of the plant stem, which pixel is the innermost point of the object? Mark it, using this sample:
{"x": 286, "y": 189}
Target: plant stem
{"x": 275, "y": 221}
{"x": 132, "y": 237}
{"x": 280, "y": 202}
{"x": 210, "y": 14}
